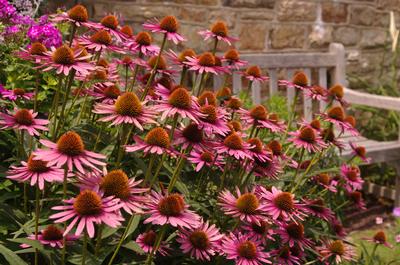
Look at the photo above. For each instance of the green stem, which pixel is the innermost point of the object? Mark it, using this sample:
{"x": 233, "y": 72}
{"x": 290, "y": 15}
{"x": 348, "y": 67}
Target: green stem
{"x": 36, "y": 92}
{"x": 215, "y": 46}
{"x": 126, "y": 77}
{"x": 200, "y": 88}
{"x": 65, "y": 100}
{"x": 158, "y": 169}
{"x": 25, "y": 198}
{"x": 292, "y": 113}
{"x": 73, "y": 31}
{"x": 149, "y": 168}
{"x": 183, "y": 75}
{"x": 37, "y": 209}
{"x": 98, "y": 137}
{"x": 154, "y": 71}
{"x": 121, "y": 240}
{"x": 156, "y": 245}
{"x": 98, "y": 239}
{"x": 221, "y": 185}
{"x": 297, "y": 170}
{"x": 176, "y": 173}
{"x": 65, "y": 182}
{"x": 174, "y": 122}
{"x": 84, "y": 248}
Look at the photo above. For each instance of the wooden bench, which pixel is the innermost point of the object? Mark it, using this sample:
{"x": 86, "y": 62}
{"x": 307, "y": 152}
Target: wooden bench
{"x": 326, "y": 69}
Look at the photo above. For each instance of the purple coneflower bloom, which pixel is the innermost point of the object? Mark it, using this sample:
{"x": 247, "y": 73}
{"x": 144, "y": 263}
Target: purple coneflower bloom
{"x": 293, "y": 233}
{"x": 169, "y": 26}
{"x": 205, "y": 63}
{"x": 317, "y": 93}
{"x": 155, "y": 142}
{"x": 336, "y": 251}
{"x": 253, "y": 73}
{"x": 357, "y": 199}
{"x": 218, "y": 31}
{"x": 231, "y": 57}
{"x": 213, "y": 120}
{"x": 142, "y": 43}
{"x": 317, "y": 208}
{"x": 261, "y": 230}
{"x": 23, "y": 119}
{"x": 308, "y": 139}
{"x": 147, "y": 240}
{"x": 299, "y": 81}
{"x": 77, "y": 15}
{"x": 16, "y": 93}
{"x": 380, "y": 239}
{"x": 270, "y": 168}
{"x": 284, "y": 256}
{"x": 359, "y": 151}
{"x": 352, "y": 176}
{"x": 87, "y": 209}
{"x": 52, "y": 236}
{"x": 204, "y": 158}
{"x": 191, "y": 135}
{"x": 99, "y": 41}
{"x": 233, "y": 145}
{"x": 326, "y": 181}
{"x": 106, "y": 94}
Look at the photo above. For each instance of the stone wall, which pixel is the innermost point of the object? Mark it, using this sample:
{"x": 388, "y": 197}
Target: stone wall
{"x": 277, "y": 25}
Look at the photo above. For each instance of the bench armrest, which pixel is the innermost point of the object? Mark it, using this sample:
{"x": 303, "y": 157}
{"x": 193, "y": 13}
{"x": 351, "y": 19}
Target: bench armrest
{"x": 377, "y": 101}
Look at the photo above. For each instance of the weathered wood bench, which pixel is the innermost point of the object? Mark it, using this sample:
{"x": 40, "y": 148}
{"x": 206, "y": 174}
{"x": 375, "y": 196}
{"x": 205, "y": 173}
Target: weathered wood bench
{"x": 326, "y": 69}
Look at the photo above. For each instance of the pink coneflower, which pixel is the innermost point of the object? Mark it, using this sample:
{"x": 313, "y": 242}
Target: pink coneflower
{"x": 35, "y": 171}
{"x": 34, "y": 52}
{"x": 380, "y": 239}
{"x": 317, "y": 208}
{"x": 127, "y": 109}
{"x": 117, "y": 184}
{"x": 204, "y": 63}
{"x": 258, "y": 151}
{"x": 357, "y": 199}
{"x": 352, "y": 176}
{"x": 336, "y": 251}
{"x": 181, "y": 103}
{"x": 317, "y": 93}
{"x": 308, "y": 139}
{"x": 337, "y": 228}
{"x": 52, "y": 236}
{"x": 219, "y": 31}
{"x": 253, "y": 73}
{"x": 270, "y": 168}
{"x": 207, "y": 98}
{"x": 143, "y": 44}
{"x": 314, "y": 124}
{"x": 284, "y": 256}
{"x": 106, "y": 94}
{"x": 293, "y": 233}
{"x": 329, "y": 137}
{"x": 155, "y": 142}
{"x": 244, "y": 250}
{"x": 77, "y": 15}
{"x": 191, "y": 135}
{"x": 359, "y": 151}
{"x": 213, "y": 120}
{"x": 170, "y": 209}
{"x": 299, "y": 81}
{"x": 16, "y": 93}
{"x": 110, "y": 24}
{"x": 147, "y": 240}
{"x": 70, "y": 151}
{"x": 99, "y": 41}
{"x": 336, "y": 92}
{"x": 168, "y": 25}
{"x": 201, "y": 242}
{"x": 181, "y": 59}
{"x": 326, "y": 181}
{"x": 87, "y": 209}
{"x": 337, "y": 116}
{"x": 23, "y": 119}
{"x": 64, "y": 59}
{"x": 204, "y": 158}
{"x": 232, "y": 58}
{"x": 248, "y": 207}
{"x": 261, "y": 230}
{"x": 280, "y": 204}
{"x": 233, "y": 145}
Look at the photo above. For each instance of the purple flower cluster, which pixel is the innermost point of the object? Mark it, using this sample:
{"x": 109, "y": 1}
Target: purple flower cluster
{"x": 45, "y": 32}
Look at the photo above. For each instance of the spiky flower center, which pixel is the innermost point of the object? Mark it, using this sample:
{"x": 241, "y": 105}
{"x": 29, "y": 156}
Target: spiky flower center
{"x": 336, "y": 113}
{"x": 275, "y": 147}
{"x": 211, "y": 113}
{"x": 19, "y": 91}
{"x": 180, "y": 98}
{"x": 247, "y": 250}
{"x": 143, "y": 38}
{"x": 207, "y": 59}
{"x": 273, "y": 117}
{"x": 166, "y": 82}
{"x": 112, "y": 92}
{"x": 361, "y": 151}
{"x": 158, "y": 136}
{"x": 318, "y": 90}
{"x": 295, "y": 230}
{"x": 128, "y": 104}
{"x": 99, "y": 75}
{"x": 300, "y": 79}
{"x": 259, "y": 112}
{"x": 284, "y": 252}
{"x": 63, "y": 55}
{"x": 353, "y": 173}
{"x": 307, "y": 134}
{"x": 23, "y": 117}
{"x": 355, "y": 196}
{"x": 337, "y": 91}
{"x": 324, "y": 178}
{"x": 234, "y": 103}
{"x": 103, "y": 63}
{"x": 78, "y": 13}
{"x": 220, "y": 29}
{"x": 171, "y": 205}
{"x": 186, "y": 53}
{"x": 284, "y": 201}
{"x": 70, "y": 144}
{"x": 257, "y": 145}
{"x": 337, "y": 247}
{"x": 254, "y": 71}
{"x": 127, "y": 30}
{"x": 126, "y": 60}
{"x": 193, "y": 133}
{"x": 207, "y": 157}
{"x": 110, "y": 22}
{"x": 37, "y": 166}
{"x": 316, "y": 124}
{"x": 37, "y": 48}
{"x": 234, "y": 141}
{"x": 380, "y": 237}
{"x": 149, "y": 238}
{"x": 350, "y": 120}
{"x": 207, "y": 97}
{"x": 235, "y": 126}
{"x": 162, "y": 63}
{"x": 261, "y": 228}
{"x": 247, "y": 203}
{"x": 88, "y": 203}
{"x": 101, "y": 37}
{"x": 52, "y": 233}
{"x": 232, "y": 55}
{"x": 116, "y": 183}
{"x": 199, "y": 240}
{"x": 328, "y": 135}
{"x": 317, "y": 205}
{"x": 169, "y": 24}
{"x": 224, "y": 92}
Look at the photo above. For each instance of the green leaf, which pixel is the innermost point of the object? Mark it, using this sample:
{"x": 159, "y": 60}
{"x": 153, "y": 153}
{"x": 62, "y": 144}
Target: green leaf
{"x": 134, "y": 225}
{"x": 11, "y": 257}
{"x": 132, "y": 245}
{"x": 30, "y": 242}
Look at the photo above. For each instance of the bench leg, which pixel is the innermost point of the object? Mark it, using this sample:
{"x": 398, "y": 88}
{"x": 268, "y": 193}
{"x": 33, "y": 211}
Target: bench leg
{"x": 397, "y": 187}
